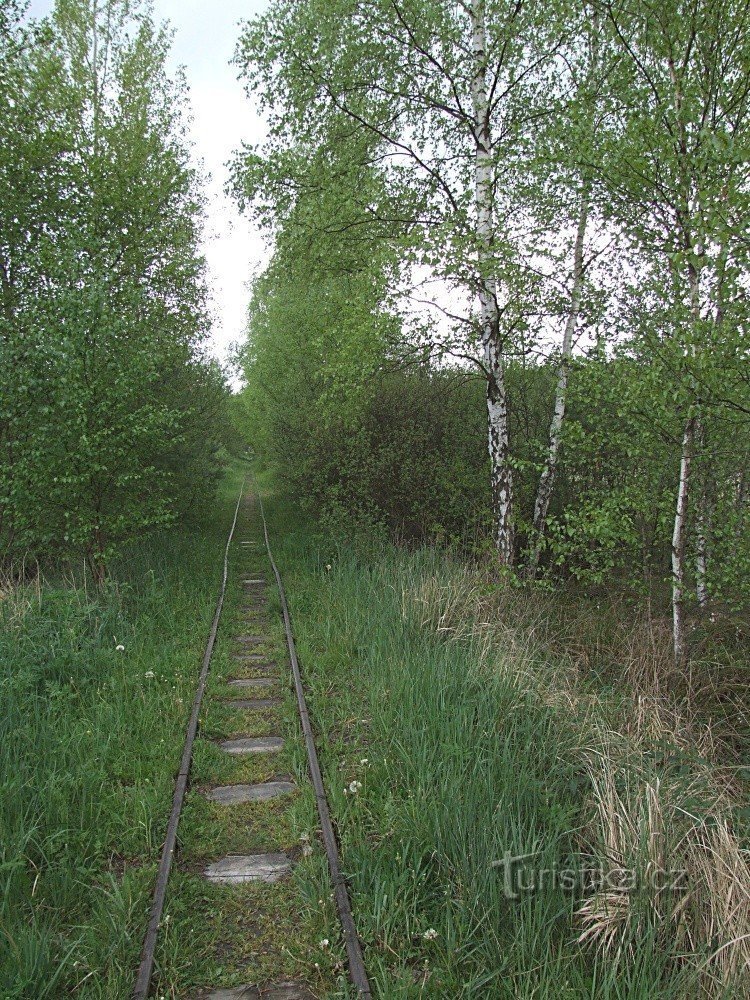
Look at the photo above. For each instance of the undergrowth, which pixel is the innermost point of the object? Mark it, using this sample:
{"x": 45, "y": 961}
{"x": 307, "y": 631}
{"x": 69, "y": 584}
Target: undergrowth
{"x": 95, "y": 690}
{"x": 514, "y": 824}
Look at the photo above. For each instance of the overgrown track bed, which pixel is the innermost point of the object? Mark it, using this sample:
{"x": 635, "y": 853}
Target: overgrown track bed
{"x": 145, "y": 970}
{"x": 353, "y": 949}
{"x": 239, "y": 920}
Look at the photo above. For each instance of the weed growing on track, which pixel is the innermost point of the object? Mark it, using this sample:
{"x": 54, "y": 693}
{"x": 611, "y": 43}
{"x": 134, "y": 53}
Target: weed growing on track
{"x": 90, "y": 738}
{"x": 470, "y": 747}
{"x": 226, "y": 936}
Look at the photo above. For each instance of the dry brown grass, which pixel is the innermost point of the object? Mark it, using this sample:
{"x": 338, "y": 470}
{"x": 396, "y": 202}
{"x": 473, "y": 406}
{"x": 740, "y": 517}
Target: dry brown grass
{"x": 669, "y": 869}
{"x": 646, "y": 815}
{"x": 17, "y": 599}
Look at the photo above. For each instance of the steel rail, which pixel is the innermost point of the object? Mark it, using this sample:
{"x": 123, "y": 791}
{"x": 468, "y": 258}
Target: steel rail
{"x": 357, "y": 970}
{"x": 146, "y": 967}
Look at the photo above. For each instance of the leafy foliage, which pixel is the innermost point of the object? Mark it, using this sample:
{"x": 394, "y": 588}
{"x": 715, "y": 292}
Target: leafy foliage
{"x": 110, "y": 410}
{"x": 629, "y": 124}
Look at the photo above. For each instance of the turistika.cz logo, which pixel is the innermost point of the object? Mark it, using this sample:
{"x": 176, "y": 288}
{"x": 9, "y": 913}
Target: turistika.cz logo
{"x": 521, "y": 874}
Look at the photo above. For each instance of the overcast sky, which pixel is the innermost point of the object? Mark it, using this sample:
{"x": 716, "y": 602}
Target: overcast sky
{"x": 206, "y": 32}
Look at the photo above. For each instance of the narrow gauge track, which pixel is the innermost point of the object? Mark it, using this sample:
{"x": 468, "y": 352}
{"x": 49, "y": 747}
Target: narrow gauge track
{"x": 357, "y": 972}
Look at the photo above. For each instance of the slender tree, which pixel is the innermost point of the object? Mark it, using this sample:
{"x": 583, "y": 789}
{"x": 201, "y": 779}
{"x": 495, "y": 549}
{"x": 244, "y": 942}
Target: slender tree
{"x": 678, "y": 181}
{"x": 448, "y": 91}
{"x": 567, "y": 151}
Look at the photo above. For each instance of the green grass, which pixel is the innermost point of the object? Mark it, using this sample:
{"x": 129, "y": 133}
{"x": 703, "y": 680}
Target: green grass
{"x": 89, "y": 744}
{"x": 467, "y": 745}
{"x": 461, "y": 759}
{"x": 90, "y": 739}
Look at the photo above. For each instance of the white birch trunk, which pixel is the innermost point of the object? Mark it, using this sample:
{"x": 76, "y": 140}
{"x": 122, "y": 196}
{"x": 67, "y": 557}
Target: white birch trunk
{"x": 701, "y": 561}
{"x": 679, "y": 543}
{"x": 679, "y": 530}
{"x": 547, "y": 478}
{"x": 702, "y": 522}
{"x": 498, "y": 437}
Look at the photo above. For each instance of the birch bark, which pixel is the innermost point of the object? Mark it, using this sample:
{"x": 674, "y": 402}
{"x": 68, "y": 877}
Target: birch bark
{"x": 498, "y": 436}
{"x": 679, "y": 543}
{"x": 701, "y": 560}
{"x": 679, "y": 529}
{"x": 549, "y": 472}
{"x": 702, "y": 525}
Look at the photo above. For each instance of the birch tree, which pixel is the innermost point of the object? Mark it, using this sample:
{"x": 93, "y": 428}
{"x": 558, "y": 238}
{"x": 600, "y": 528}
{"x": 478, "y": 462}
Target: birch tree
{"x": 569, "y": 153}
{"x": 448, "y": 91}
{"x": 497, "y": 402}
{"x": 678, "y": 181}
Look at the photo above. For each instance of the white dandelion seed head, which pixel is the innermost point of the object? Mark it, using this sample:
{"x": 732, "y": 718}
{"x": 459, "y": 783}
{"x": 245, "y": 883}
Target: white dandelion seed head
{"x": 149, "y": 675}
{"x": 119, "y": 647}
{"x": 430, "y": 934}
{"x": 354, "y": 786}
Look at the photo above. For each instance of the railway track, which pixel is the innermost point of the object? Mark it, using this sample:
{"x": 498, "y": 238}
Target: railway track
{"x": 270, "y": 866}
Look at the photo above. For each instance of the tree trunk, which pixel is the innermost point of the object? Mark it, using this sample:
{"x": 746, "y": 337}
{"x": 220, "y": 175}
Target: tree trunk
{"x": 679, "y": 543}
{"x": 98, "y": 568}
{"x": 95, "y": 556}
{"x": 679, "y": 531}
{"x": 549, "y": 472}
{"x": 701, "y": 559}
{"x": 498, "y": 436}
{"x": 702, "y": 524}
{"x": 498, "y": 442}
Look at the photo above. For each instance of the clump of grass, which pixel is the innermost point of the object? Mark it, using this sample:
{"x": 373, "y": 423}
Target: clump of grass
{"x": 670, "y": 868}
{"x": 679, "y": 819}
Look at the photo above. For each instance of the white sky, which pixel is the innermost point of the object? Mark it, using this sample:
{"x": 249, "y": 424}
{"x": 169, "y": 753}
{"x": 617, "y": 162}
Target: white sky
{"x": 205, "y": 34}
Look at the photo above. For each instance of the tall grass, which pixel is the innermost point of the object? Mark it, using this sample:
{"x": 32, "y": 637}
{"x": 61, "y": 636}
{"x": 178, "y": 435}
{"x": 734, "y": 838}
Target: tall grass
{"x": 471, "y": 745}
{"x": 89, "y": 739}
